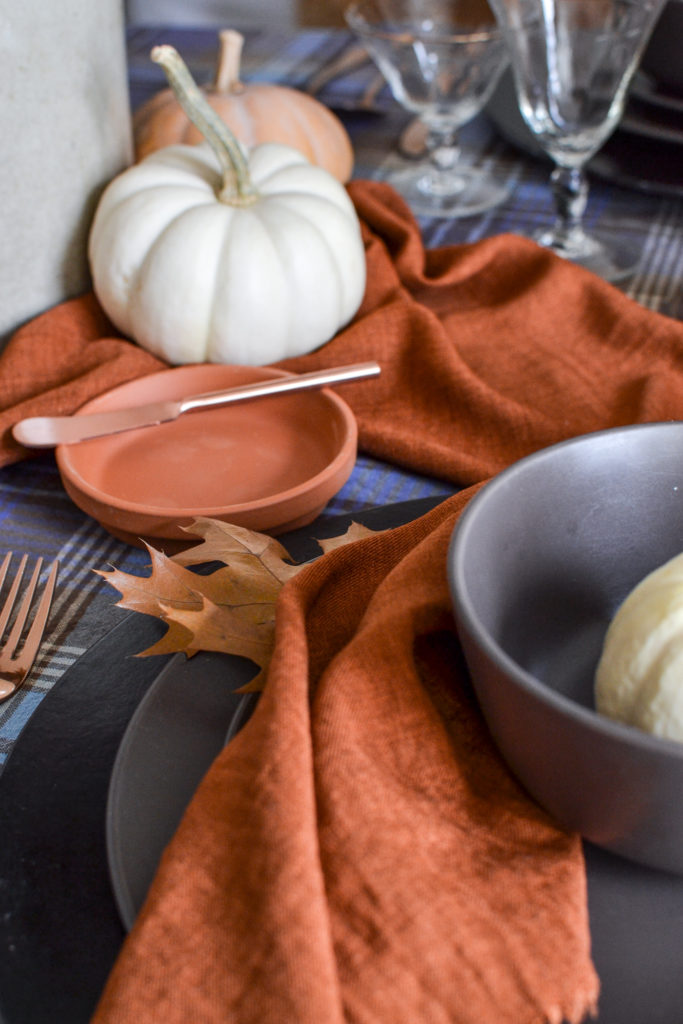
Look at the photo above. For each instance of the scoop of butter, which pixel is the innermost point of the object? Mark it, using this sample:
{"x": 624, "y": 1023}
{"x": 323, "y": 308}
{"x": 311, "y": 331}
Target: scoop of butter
{"x": 639, "y": 678}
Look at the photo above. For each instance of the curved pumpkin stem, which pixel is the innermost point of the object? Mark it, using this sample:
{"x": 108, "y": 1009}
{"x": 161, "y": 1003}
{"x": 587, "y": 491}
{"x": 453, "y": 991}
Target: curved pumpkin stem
{"x": 237, "y": 188}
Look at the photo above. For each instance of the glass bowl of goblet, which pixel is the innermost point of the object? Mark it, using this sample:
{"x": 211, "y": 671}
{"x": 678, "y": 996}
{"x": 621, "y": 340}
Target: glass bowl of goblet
{"x": 442, "y": 60}
{"x": 572, "y": 61}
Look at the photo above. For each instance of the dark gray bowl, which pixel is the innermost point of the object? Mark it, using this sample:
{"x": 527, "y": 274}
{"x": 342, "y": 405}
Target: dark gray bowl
{"x": 538, "y": 565}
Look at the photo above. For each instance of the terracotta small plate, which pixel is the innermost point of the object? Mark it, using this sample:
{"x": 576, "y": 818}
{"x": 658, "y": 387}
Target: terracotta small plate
{"x": 270, "y": 464}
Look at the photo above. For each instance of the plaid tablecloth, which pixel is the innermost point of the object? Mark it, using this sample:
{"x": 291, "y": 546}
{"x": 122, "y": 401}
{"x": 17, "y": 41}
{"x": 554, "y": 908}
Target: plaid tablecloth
{"x": 36, "y": 515}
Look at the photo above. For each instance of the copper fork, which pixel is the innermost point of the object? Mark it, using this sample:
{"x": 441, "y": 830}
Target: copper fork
{"x": 17, "y": 656}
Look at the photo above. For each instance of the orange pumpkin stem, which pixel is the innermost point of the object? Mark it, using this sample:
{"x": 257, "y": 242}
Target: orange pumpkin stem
{"x": 227, "y": 78}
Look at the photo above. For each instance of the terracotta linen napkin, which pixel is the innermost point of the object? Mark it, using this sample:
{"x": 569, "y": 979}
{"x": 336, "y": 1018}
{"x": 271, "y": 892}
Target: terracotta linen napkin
{"x": 493, "y": 350}
{"x": 359, "y": 853}
{"x": 488, "y": 351}
{"x": 56, "y": 362}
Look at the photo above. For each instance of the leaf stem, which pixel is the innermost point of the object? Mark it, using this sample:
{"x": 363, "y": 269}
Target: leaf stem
{"x": 236, "y": 188}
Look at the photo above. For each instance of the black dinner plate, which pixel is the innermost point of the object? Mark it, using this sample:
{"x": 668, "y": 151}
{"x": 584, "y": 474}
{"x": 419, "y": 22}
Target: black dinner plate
{"x": 60, "y": 930}
{"x": 646, "y": 89}
{"x": 636, "y": 913}
{"x": 653, "y": 168}
{"x": 59, "y": 917}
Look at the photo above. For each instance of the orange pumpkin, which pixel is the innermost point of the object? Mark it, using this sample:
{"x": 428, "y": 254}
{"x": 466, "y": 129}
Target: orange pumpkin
{"x": 256, "y": 112}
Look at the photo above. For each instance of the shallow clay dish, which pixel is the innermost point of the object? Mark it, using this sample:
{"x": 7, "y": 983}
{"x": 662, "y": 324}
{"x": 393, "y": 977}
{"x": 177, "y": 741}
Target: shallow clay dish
{"x": 270, "y": 465}
{"x": 539, "y": 563}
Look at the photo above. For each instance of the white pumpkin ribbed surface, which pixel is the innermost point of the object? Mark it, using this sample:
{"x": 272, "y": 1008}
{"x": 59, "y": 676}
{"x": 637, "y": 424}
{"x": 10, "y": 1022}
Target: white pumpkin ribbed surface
{"x": 639, "y": 679}
{"x": 194, "y": 279}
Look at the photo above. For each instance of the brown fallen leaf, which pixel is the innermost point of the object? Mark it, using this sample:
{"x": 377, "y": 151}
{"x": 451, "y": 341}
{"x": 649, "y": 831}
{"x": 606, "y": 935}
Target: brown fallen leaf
{"x": 356, "y": 531}
{"x": 231, "y": 609}
{"x": 237, "y": 547}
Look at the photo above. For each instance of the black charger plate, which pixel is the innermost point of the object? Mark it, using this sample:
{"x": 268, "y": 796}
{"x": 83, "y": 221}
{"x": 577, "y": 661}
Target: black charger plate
{"x": 60, "y": 930}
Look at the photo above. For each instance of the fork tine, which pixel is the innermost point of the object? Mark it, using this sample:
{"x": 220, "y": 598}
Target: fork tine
{"x": 15, "y": 666}
{"x": 35, "y": 633}
{"x": 12, "y": 596}
{"x": 22, "y": 614}
{"x": 4, "y": 567}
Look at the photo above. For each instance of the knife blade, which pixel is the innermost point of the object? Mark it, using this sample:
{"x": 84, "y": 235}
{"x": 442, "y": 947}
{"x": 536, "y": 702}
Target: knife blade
{"x": 50, "y": 431}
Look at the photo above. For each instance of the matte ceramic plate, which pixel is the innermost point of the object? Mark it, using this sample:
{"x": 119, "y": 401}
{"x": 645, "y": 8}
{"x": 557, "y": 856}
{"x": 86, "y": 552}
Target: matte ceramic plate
{"x": 182, "y": 723}
{"x": 643, "y": 87}
{"x": 654, "y": 168}
{"x": 271, "y": 464}
{"x": 636, "y": 913}
{"x": 639, "y": 120}
{"x": 179, "y": 727}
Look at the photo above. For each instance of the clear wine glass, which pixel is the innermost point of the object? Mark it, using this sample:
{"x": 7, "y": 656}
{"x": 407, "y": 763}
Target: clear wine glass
{"x": 442, "y": 60}
{"x": 572, "y": 61}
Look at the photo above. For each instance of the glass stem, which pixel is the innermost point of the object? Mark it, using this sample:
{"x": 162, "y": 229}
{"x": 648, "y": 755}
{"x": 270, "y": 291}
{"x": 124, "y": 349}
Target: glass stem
{"x": 570, "y": 194}
{"x": 442, "y": 179}
{"x": 443, "y": 148}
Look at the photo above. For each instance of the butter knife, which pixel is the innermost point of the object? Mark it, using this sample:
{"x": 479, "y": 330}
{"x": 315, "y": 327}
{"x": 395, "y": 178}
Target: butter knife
{"x": 50, "y": 431}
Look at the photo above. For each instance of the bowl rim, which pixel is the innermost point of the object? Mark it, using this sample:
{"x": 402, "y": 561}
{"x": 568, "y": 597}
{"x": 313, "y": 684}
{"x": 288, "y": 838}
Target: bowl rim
{"x": 349, "y": 442}
{"x": 464, "y": 609}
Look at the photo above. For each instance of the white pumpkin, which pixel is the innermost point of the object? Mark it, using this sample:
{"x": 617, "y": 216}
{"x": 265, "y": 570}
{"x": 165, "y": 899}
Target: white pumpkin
{"x": 205, "y": 254}
{"x": 639, "y": 679}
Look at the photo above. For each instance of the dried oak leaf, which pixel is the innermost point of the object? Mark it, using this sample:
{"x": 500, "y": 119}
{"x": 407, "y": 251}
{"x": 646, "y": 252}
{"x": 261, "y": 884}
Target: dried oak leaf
{"x": 231, "y": 609}
{"x": 355, "y": 532}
